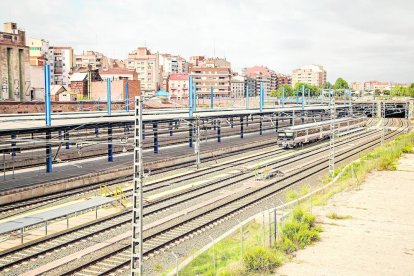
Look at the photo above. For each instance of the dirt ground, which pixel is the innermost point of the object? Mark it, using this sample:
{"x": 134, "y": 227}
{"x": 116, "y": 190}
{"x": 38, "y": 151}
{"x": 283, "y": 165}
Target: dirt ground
{"x": 377, "y": 238}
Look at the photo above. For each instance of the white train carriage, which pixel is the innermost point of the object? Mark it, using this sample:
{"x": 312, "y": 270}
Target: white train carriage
{"x": 295, "y": 136}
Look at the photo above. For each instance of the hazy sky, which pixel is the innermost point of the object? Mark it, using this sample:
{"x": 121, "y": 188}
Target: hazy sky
{"x": 358, "y": 40}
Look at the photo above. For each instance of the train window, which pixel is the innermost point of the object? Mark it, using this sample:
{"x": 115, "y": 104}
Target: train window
{"x": 281, "y": 134}
{"x": 289, "y": 134}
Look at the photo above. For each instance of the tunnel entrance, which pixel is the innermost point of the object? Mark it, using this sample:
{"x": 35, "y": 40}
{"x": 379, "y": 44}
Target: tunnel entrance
{"x": 395, "y": 110}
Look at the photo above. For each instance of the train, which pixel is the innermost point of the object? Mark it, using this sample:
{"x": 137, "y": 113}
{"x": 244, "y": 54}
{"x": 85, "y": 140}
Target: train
{"x": 296, "y": 136}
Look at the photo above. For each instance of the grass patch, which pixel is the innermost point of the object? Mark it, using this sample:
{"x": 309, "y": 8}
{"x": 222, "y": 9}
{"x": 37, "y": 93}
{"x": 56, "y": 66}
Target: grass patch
{"x": 298, "y": 232}
{"x": 291, "y": 195}
{"x": 334, "y": 215}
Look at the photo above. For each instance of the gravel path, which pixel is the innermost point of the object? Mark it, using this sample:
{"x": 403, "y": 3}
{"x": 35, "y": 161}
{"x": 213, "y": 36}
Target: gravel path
{"x": 376, "y": 240}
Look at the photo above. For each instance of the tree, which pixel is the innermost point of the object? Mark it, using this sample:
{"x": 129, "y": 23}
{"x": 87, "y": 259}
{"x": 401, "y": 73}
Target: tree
{"x": 340, "y": 83}
{"x": 288, "y": 91}
{"x": 327, "y": 85}
{"x": 314, "y": 90}
{"x": 274, "y": 93}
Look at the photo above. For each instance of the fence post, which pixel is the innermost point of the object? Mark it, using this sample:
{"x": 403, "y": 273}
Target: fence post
{"x": 241, "y": 239}
{"x": 275, "y": 218}
{"x": 214, "y": 256}
{"x": 264, "y": 229}
{"x": 176, "y": 262}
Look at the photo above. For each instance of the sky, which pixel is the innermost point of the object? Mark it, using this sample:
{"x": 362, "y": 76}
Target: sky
{"x": 356, "y": 40}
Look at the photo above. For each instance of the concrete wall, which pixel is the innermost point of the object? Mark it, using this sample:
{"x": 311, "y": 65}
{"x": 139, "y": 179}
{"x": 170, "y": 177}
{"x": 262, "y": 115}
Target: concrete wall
{"x": 14, "y": 88}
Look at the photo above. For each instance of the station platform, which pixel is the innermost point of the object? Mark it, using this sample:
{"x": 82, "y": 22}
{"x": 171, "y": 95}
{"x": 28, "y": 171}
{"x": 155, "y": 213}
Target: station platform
{"x": 36, "y": 176}
{"x": 54, "y": 213}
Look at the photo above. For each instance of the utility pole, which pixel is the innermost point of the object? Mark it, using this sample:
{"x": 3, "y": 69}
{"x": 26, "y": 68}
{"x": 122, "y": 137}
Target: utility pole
{"x": 332, "y": 138}
{"x": 137, "y": 194}
{"x": 382, "y": 106}
{"x": 197, "y": 144}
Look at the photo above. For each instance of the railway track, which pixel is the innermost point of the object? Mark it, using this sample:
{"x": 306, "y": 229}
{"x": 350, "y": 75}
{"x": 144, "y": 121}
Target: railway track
{"x": 24, "y": 206}
{"x": 34, "y": 203}
{"x": 120, "y": 253}
{"x": 120, "y": 259}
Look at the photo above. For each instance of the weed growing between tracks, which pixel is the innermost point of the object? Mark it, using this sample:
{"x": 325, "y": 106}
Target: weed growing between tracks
{"x": 299, "y": 230}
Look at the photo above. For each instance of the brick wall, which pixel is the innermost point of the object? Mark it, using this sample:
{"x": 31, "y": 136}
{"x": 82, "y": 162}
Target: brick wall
{"x": 99, "y": 89}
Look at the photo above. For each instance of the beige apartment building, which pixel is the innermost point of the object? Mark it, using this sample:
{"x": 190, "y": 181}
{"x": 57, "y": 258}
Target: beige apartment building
{"x": 39, "y": 52}
{"x": 93, "y": 59}
{"x": 14, "y": 64}
{"x": 147, "y": 66}
{"x": 206, "y": 77}
{"x": 178, "y": 86}
{"x": 310, "y": 74}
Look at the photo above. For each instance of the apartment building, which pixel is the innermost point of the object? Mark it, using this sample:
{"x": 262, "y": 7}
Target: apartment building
{"x": 93, "y": 59}
{"x": 147, "y": 66}
{"x": 283, "y": 79}
{"x": 310, "y": 74}
{"x": 119, "y": 74}
{"x": 14, "y": 64}
{"x": 61, "y": 65}
{"x": 173, "y": 64}
{"x": 39, "y": 52}
{"x": 237, "y": 87}
{"x": 262, "y": 76}
{"x": 178, "y": 85}
{"x": 206, "y": 78}
{"x": 250, "y": 84}
{"x": 377, "y": 85}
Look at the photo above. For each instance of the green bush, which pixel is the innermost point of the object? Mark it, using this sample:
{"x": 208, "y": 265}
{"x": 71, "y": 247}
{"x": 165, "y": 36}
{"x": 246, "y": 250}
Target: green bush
{"x": 261, "y": 259}
{"x": 407, "y": 149}
{"x": 299, "y": 232}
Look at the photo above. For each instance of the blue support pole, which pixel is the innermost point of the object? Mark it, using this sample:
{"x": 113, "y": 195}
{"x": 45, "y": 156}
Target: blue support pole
{"x": 345, "y": 97}
{"x": 195, "y": 97}
{"x": 66, "y": 136}
{"x": 96, "y": 132}
{"x": 218, "y": 132}
{"x": 110, "y": 152}
{"x": 297, "y": 97}
{"x": 127, "y": 96}
{"x": 241, "y": 127}
{"x": 48, "y": 112}
{"x": 261, "y": 96}
{"x": 13, "y": 143}
{"x": 143, "y": 131}
{"x": 277, "y": 122}
{"x": 247, "y": 96}
{"x": 303, "y": 104}
{"x": 211, "y": 98}
{"x": 155, "y": 131}
{"x": 261, "y": 125}
{"x": 303, "y": 98}
{"x": 108, "y": 95}
{"x": 171, "y": 128}
{"x": 48, "y": 152}
{"x": 329, "y": 99}
{"x": 190, "y": 95}
{"x": 190, "y": 136}
{"x": 283, "y": 96}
